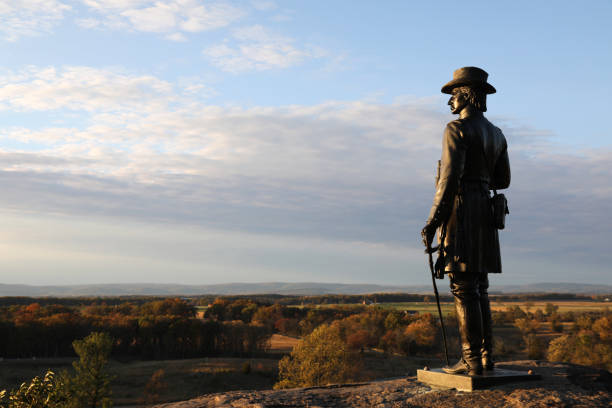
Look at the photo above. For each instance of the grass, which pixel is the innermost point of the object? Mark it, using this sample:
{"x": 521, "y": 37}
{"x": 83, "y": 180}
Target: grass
{"x": 564, "y": 305}
{"x": 282, "y": 344}
{"x": 420, "y": 307}
{"x": 184, "y": 379}
{"x": 447, "y": 307}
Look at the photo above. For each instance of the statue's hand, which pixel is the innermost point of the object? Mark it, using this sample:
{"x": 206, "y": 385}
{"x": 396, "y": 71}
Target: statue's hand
{"x": 428, "y": 233}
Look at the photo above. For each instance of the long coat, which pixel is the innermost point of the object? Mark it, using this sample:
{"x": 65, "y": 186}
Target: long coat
{"x": 474, "y": 161}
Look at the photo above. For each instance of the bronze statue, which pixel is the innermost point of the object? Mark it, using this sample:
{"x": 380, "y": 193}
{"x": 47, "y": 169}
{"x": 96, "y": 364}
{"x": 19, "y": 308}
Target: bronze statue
{"x": 474, "y": 161}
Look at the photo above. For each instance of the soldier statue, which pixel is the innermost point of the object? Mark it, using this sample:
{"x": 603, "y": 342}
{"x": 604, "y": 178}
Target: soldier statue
{"x": 474, "y": 161}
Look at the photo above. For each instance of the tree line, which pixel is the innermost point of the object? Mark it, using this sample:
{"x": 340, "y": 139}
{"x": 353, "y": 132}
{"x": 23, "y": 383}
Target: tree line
{"x": 153, "y": 330}
{"x": 169, "y": 328}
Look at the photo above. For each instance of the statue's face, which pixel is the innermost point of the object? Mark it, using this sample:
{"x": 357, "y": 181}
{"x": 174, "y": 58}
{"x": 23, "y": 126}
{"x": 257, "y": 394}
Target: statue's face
{"x": 457, "y": 101}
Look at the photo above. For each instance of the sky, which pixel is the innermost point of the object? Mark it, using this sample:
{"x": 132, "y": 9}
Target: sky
{"x": 200, "y": 142}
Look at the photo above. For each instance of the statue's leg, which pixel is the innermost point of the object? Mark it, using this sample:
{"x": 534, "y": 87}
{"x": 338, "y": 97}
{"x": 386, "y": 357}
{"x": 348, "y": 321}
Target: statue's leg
{"x": 487, "y": 324}
{"x": 464, "y": 287}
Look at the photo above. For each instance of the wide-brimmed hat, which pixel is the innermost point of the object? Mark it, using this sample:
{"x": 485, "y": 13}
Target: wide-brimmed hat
{"x": 469, "y": 76}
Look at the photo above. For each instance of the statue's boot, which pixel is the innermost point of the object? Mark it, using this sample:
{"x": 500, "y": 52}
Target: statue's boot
{"x": 486, "y": 350}
{"x": 470, "y": 329}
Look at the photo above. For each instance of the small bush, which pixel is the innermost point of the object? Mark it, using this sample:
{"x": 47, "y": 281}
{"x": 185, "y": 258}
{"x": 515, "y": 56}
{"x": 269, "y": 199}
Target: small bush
{"x": 48, "y": 392}
{"x": 155, "y": 387}
{"x": 321, "y": 358}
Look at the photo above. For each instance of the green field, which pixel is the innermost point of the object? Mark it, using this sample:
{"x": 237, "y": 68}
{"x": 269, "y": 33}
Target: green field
{"x": 564, "y": 305}
{"x": 420, "y": 307}
{"x": 447, "y": 307}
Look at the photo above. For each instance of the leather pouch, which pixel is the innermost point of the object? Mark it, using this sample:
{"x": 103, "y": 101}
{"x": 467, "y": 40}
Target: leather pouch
{"x": 500, "y": 209}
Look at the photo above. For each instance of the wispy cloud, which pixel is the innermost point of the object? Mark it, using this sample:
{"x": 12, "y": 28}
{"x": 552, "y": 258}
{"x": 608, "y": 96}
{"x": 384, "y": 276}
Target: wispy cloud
{"x": 256, "y": 48}
{"x": 81, "y": 88}
{"x": 173, "y": 18}
{"x": 19, "y": 18}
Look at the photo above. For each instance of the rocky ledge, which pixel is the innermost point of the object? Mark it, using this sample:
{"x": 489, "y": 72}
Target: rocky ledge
{"x": 562, "y": 385}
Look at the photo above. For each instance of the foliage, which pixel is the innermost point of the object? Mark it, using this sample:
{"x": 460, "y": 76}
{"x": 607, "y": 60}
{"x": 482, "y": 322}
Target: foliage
{"x": 418, "y": 336}
{"x": 536, "y": 347}
{"x": 155, "y": 387}
{"x": 551, "y": 309}
{"x": 48, "y": 392}
{"x": 90, "y": 385}
{"x": 590, "y": 345}
{"x": 527, "y": 326}
{"x": 159, "y": 329}
{"x": 168, "y": 307}
{"x": 556, "y": 325}
{"x": 321, "y": 358}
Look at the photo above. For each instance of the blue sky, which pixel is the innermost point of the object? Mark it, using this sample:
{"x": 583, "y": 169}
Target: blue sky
{"x": 191, "y": 141}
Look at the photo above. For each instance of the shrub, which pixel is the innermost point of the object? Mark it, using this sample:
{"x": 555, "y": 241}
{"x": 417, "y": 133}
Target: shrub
{"x": 320, "y": 358}
{"x": 155, "y": 387}
{"x": 89, "y": 387}
{"x": 587, "y": 347}
{"x": 48, "y": 392}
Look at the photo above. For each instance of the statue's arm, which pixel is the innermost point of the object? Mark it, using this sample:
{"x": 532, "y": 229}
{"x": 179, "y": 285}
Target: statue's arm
{"x": 501, "y": 178}
{"x": 451, "y": 171}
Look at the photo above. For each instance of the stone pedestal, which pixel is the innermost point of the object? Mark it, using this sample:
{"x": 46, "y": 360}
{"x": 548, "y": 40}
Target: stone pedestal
{"x": 462, "y": 382}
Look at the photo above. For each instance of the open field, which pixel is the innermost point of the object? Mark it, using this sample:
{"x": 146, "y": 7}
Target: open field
{"x": 282, "y": 344}
{"x": 413, "y": 307}
{"x": 564, "y": 305}
{"x": 184, "y": 379}
{"x": 419, "y": 307}
{"x": 447, "y": 307}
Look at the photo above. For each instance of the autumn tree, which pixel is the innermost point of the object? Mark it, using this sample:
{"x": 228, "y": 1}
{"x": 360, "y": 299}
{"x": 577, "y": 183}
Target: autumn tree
{"x": 534, "y": 345}
{"x": 551, "y": 309}
{"x": 320, "y": 358}
{"x": 589, "y": 345}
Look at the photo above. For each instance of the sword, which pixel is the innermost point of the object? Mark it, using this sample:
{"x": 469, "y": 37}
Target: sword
{"x": 435, "y": 287}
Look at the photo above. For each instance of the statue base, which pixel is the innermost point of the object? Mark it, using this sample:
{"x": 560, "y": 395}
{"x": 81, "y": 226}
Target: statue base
{"x": 463, "y": 382}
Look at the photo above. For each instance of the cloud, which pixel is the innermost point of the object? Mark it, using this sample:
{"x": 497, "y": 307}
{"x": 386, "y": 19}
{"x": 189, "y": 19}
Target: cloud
{"x": 25, "y": 18}
{"x": 174, "y": 17}
{"x": 143, "y": 149}
{"x": 256, "y": 48}
{"x": 81, "y": 88}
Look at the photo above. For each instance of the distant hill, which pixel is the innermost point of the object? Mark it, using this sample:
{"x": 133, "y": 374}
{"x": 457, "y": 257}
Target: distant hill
{"x": 281, "y": 288}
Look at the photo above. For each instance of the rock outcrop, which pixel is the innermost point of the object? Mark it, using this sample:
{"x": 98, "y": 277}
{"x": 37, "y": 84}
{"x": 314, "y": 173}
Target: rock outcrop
{"x": 562, "y": 385}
